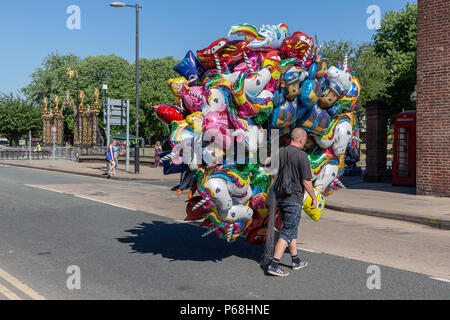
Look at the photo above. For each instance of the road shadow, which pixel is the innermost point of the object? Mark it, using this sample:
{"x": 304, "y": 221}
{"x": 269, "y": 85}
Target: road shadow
{"x": 357, "y": 182}
{"x": 184, "y": 241}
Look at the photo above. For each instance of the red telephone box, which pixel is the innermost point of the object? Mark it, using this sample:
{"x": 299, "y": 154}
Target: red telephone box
{"x": 404, "y": 160}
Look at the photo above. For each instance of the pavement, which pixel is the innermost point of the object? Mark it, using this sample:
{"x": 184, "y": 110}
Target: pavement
{"x": 373, "y": 199}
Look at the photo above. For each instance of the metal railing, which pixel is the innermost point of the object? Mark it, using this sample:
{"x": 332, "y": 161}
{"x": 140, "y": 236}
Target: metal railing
{"x": 17, "y": 153}
{"x": 46, "y": 153}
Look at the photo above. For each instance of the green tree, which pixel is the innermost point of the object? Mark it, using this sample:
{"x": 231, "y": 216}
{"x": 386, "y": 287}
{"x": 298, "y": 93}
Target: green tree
{"x": 396, "y": 43}
{"x": 370, "y": 69}
{"x": 48, "y": 80}
{"x": 154, "y": 90}
{"x": 17, "y": 117}
{"x": 51, "y": 79}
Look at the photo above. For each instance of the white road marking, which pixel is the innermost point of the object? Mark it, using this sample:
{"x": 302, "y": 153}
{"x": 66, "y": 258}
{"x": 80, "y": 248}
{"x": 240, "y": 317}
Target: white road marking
{"x": 47, "y": 189}
{"x": 105, "y": 202}
{"x": 80, "y": 196}
{"x": 308, "y": 250}
{"x": 440, "y": 279}
{"x": 188, "y": 222}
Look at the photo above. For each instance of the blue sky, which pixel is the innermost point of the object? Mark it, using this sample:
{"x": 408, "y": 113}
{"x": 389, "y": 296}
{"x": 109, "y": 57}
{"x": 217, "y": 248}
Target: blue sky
{"x": 31, "y": 29}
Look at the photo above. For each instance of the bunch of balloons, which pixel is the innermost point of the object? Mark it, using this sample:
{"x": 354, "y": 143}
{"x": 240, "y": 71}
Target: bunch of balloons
{"x": 227, "y": 95}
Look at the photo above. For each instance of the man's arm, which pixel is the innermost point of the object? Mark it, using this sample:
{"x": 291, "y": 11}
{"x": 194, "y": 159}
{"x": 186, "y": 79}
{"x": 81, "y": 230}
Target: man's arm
{"x": 309, "y": 188}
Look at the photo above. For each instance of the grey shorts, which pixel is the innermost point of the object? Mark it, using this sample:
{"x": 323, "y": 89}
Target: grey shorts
{"x": 290, "y": 213}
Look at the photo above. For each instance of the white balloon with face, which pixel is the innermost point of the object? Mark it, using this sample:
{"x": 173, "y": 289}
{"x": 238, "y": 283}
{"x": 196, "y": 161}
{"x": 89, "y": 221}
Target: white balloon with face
{"x": 228, "y": 207}
{"x": 191, "y": 147}
{"x": 215, "y": 102}
{"x": 253, "y": 137}
{"x": 342, "y": 134}
{"x": 231, "y": 77}
{"x": 255, "y": 84}
{"x": 326, "y": 176}
{"x": 341, "y": 78}
{"x": 238, "y": 213}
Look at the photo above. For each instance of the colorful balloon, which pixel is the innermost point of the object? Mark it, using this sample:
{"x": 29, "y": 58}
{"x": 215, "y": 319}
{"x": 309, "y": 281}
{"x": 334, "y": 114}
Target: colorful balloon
{"x": 168, "y": 113}
{"x": 307, "y": 204}
{"x": 225, "y": 97}
{"x": 190, "y": 67}
{"x": 299, "y": 46}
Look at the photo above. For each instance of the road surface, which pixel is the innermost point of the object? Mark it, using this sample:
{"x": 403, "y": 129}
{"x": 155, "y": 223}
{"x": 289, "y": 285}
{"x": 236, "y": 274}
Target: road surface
{"x": 128, "y": 241}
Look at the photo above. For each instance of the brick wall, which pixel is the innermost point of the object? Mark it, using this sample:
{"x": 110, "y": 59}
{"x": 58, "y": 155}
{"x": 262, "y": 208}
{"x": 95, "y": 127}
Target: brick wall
{"x": 433, "y": 98}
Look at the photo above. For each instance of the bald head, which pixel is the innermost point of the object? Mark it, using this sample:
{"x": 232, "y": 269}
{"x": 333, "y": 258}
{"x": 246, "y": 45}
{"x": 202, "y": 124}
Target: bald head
{"x": 298, "y": 135}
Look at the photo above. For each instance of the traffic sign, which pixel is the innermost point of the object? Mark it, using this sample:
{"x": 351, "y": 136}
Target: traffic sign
{"x": 117, "y": 112}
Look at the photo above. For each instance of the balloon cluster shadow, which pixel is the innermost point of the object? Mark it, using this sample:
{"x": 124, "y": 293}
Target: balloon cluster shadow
{"x": 183, "y": 241}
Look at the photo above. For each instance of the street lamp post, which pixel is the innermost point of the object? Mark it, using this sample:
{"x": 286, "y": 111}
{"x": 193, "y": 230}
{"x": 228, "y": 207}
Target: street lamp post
{"x": 136, "y": 149}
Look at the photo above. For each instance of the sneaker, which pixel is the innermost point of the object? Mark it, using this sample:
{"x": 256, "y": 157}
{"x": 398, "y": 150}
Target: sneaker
{"x": 299, "y": 265}
{"x": 277, "y": 271}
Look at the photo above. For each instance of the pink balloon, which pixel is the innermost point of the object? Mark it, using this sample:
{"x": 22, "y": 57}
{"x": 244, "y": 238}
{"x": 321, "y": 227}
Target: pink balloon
{"x": 215, "y": 124}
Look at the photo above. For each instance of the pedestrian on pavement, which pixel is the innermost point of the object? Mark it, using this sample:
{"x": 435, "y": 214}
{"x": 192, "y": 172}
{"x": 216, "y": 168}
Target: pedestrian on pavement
{"x": 110, "y": 157}
{"x": 116, "y": 155}
{"x": 294, "y": 177}
{"x": 158, "y": 151}
{"x": 38, "y": 148}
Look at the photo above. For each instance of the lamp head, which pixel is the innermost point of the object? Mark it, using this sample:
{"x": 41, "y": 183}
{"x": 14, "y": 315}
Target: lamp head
{"x": 117, "y": 4}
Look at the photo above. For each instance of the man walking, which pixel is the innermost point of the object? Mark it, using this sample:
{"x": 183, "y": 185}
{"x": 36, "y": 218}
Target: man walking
{"x": 293, "y": 178}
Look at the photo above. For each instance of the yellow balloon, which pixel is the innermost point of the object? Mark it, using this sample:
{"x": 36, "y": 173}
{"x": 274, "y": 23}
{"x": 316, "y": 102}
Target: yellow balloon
{"x": 175, "y": 85}
{"x": 194, "y": 120}
{"x": 307, "y": 202}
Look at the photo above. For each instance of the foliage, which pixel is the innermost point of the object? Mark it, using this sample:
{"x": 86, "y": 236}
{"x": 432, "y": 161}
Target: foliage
{"x": 385, "y": 67}
{"x": 396, "y": 43}
{"x": 369, "y": 68}
{"x": 52, "y": 79}
{"x": 154, "y": 75}
{"x": 17, "y": 117}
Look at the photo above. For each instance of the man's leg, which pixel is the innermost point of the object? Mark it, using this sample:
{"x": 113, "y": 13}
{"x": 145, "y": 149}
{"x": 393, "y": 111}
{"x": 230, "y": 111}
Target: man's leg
{"x": 286, "y": 209}
{"x": 280, "y": 248}
{"x": 274, "y": 267}
{"x": 293, "y": 247}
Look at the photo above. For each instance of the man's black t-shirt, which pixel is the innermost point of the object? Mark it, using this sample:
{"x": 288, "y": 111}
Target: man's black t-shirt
{"x": 297, "y": 163}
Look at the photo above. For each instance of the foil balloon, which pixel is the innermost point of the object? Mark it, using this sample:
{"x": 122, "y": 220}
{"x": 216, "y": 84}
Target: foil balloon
{"x": 179, "y": 87}
{"x": 338, "y": 83}
{"x": 299, "y": 46}
{"x": 227, "y": 94}
{"x": 315, "y": 213}
{"x": 168, "y": 113}
{"x": 197, "y": 214}
{"x": 209, "y": 56}
{"x": 268, "y": 37}
{"x": 233, "y": 52}
{"x": 286, "y": 100}
{"x": 190, "y": 67}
